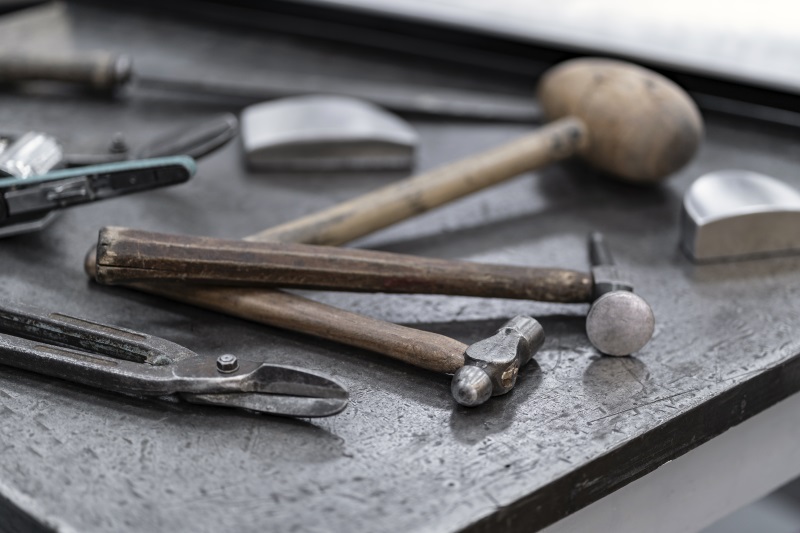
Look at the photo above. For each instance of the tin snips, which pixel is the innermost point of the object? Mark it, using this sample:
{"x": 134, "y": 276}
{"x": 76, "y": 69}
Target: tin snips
{"x": 130, "y": 362}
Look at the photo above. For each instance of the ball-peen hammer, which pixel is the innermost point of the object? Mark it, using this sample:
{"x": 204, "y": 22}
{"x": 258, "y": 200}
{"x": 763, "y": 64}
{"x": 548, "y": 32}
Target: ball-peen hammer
{"x": 619, "y": 321}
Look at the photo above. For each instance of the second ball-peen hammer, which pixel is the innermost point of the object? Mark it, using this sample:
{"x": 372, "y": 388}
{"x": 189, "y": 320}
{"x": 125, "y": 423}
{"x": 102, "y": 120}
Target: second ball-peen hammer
{"x": 623, "y": 119}
{"x": 619, "y": 322}
{"x": 499, "y": 357}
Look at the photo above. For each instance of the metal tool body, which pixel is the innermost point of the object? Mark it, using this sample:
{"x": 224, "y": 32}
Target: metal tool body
{"x": 491, "y": 366}
{"x": 29, "y": 203}
{"x": 195, "y": 139}
{"x": 736, "y": 214}
{"x": 619, "y": 322}
{"x": 27, "y": 154}
{"x": 127, "y": 361}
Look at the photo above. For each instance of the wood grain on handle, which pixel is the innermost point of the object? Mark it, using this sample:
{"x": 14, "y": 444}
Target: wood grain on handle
{"x": 403, "y": 199}
{"x": 295, "y": 313}
{"x": 128, "y": 255}
{"x": 100, "y": 71}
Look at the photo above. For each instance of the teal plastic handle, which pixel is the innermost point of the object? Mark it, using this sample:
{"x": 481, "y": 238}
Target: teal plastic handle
{"x": 184, "y": 161}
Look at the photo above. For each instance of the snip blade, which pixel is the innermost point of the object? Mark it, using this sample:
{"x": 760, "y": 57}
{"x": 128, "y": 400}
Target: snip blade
{"x": 299, "y": 406}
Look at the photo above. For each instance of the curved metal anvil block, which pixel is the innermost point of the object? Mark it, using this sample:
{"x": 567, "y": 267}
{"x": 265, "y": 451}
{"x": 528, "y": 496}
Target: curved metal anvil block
{"x": 325, "y": 132}
{"x": 730, "y": 214}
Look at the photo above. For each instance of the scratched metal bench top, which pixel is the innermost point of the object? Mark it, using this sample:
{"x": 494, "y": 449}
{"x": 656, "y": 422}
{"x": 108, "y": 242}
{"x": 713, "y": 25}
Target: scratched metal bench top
{"x": 403, "y": 456}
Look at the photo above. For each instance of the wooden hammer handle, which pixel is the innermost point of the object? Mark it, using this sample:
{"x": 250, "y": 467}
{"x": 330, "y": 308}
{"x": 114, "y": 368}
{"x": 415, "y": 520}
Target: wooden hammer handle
{"x": 275, "y": 308}
{"x": 127, "y": 255}
{"x": 401, "y": 200}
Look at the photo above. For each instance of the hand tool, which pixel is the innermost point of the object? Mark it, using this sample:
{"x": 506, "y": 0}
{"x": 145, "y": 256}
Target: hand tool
{"x": 619, "y": 321}
{"x": 131, "y": 362}
{"x": 625, "y": 103}
{"x": 634, "y": 125}
{"x": 30, "y": 203}
{"x": 109, "y": 72}
{"x": 325, "y": 133}
{"x": 196, "y": 139}
{"x": 736, "y": 214}
{"x": 35, "y": 153}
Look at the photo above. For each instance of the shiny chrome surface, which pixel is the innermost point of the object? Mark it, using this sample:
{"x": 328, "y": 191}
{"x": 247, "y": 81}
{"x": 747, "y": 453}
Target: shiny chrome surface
{"x": 619, "y": 322}
{"x": 729, "y": 214}
{"x": 491, "y": 365}
{"x": 325, "y": 133}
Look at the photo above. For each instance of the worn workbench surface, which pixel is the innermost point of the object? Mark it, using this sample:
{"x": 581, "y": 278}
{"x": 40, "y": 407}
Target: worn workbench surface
{"x": 402, "y": 456}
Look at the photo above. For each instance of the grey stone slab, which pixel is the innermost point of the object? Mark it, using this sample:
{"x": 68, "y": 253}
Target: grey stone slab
{"x": 403, "y": 456}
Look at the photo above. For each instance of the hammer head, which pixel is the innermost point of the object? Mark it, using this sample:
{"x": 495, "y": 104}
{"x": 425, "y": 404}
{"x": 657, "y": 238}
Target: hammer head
{"x": 491, "y": 365}
{"x": 619, "y": 321}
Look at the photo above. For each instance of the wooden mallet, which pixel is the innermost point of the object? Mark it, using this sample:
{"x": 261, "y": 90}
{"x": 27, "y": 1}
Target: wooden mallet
{"x": 628, "y": 121}
{"x": 631, "y": 123}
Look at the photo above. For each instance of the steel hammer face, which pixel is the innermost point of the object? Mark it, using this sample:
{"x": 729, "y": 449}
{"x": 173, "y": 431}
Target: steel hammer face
{"x": 619, "y": 321}
{"x": 491, "y": 365}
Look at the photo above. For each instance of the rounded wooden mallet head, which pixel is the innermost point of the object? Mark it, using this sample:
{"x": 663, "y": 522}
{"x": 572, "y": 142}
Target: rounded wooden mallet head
{"x": 641, "y": 127}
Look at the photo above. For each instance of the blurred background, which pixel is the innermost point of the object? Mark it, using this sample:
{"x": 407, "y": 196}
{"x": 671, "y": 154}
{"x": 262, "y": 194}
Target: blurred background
{"x": 778, "y": 512}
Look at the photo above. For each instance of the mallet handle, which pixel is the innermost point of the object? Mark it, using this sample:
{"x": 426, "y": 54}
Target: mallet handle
{"x": 403, "y": 199}
{"x": 128, "y": 255}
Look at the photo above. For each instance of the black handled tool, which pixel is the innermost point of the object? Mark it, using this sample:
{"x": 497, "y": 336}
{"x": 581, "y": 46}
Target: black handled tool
{"x": 30, "y": 153}
{"x": 195, "y": 139}
{"x": 109, "y": 72}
